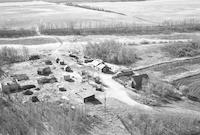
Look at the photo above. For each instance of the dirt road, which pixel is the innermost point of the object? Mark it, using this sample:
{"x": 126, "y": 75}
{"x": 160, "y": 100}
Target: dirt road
{"x": 119, "y": 92}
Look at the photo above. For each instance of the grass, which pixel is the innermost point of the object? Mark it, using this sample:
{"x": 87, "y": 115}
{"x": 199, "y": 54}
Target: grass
{"x": 188, "y": 49}
{"x": 147, "y": 123}
{"x": 11, "y": 33}
{"x": 112, "y": 52}
{"x": 10, "y": 55}
{"x": 41, "y": 118}
{"x": 157, "y": 93}
{"x": 28, "y": 41}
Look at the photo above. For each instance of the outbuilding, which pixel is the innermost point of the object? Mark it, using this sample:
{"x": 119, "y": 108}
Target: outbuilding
{"x": 87, "y": 96}
{"x": 44, "y": 71}
{"x": 104, "y": 68}
{"x": 139, "y": 80}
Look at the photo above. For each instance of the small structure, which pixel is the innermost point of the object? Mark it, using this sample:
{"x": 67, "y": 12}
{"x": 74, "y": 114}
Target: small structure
{"x": 20, "y": 77}
{"x": 96, "y": 62}
{"x": 34, "y": 57}
{"x": 104, "y": 68}
{"x": 10, "y": 87}
{"x": 126, "y": 72}
{"x": 26, "y": 87}
{"x": 35, "y": 99}
{"x": 48, "y": 62}
{"x": 68, "y": 69}
{"x": 44, "y": 71}
{"x": 73, "y": 56}
{"x": 57, "y": 60}
{"x": 68, "y": 78}
{"x": 62, "y": 62}
{"x": 62, "y": 89}
{"x": 139, "y": 80}
{"x": 28, "y": 92}
{"x": 87, "y": 96}
{"x": 88, "y": 60}
{"x": 45, "y": 80}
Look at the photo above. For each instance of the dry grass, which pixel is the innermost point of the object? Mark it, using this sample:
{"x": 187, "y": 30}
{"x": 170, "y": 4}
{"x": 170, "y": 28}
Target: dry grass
{"x": 9, "y": 33}
{"x": 112, "y": 52}
{"x": 147, "y": 123}
{"x": 42, "y": 119}
{"x": 28, "y": 41}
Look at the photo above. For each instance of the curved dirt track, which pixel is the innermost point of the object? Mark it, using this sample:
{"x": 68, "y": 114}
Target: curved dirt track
{"x": 119, "y": 92}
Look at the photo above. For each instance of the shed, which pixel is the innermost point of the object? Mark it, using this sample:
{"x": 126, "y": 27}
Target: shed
{"x": 48, "y": 62}
{"x": 57, "y": 60}
{"x": 20, "y": 77}
{"x": 87, "y": 96}
{"x": 96, "y": 62}
{"x": 43, "y": 80}
{"x": 138, "y": 81}
{"x": 68, "y": 69}
{"x": 62, "y": 62}
{"x": 10, "y": 87}
{"x": 44, "y": 71}
{"x": 104, "y": 68}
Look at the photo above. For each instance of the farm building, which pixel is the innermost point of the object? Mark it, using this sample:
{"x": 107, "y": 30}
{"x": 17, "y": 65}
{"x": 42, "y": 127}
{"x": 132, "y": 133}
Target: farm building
{"x": 48, "y": 62}
{"x": 10, "y": 87}
{"x": 57, "y": 60}
{"x": 20, "y": 77}
{"x": 126, "y": 72}
{"x": 87, "y": 96}
{"x": 44, "y": 71}
{"x": 104, "y": 68}
{"x": 96, "y": 62}
{"x": 139, "y": 80}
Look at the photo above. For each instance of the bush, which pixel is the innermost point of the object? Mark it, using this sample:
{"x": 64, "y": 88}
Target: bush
{"x": 112, "y": 52}
{"x": 11, "y": 55}
{"x": 189, "y": 49}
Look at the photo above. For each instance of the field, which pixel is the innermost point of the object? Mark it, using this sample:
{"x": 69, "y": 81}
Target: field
{"x": 53, "y": 15}
{"x": 100, "y": 67}
{"x": 153, "y": 12}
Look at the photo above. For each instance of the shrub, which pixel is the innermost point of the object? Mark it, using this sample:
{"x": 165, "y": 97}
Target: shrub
{"x": 11, "y": 55}
{"x": 189, "y": 49}
{"x": 111, "y": 51}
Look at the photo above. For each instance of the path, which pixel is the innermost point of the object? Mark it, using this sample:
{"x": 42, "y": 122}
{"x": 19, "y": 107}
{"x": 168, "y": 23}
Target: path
{"x": 119, "y": 92}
